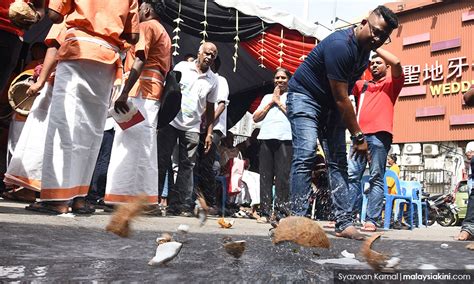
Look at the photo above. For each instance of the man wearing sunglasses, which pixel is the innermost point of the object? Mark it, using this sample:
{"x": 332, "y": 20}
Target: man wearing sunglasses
{"x": 319, "y": 108}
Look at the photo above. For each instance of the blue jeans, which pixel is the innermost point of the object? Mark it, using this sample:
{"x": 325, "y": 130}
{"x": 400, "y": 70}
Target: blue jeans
{"x": 310, "y": 120}
{"x": 379, "y": 145}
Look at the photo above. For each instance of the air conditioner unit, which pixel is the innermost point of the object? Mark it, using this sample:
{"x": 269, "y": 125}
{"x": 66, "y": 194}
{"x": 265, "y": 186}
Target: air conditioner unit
{"x": 394, "y": 149}
{"x": 412, "y": 148}
{"x": 430, "y": 150}
{"x": 411, "y": 160}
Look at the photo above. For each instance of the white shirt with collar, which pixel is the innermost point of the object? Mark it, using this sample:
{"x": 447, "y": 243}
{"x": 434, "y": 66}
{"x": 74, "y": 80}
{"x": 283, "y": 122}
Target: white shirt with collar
{"x": 196, "y": 89}
{"x": 222, "y": 96}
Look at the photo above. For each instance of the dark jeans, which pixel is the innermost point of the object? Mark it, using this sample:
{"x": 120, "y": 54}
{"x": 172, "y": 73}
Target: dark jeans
{"x": 204, "y": 174}
{"x": 311, "y": 120}
{"x": 468, "y": 223}
{"x": 99, "y": 178}
{"x": 379, "y": 145}
{"x": 275, "y": 162}
{"x": 10, "y": 47}
{"x": 180, "y": 195}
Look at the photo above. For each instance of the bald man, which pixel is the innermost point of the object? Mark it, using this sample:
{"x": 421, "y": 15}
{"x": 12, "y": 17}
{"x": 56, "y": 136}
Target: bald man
{"x": 199, "y": 93}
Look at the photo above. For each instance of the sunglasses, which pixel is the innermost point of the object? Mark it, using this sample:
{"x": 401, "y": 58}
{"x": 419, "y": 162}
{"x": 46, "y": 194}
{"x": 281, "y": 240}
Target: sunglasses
{"x": 379, "y": 35}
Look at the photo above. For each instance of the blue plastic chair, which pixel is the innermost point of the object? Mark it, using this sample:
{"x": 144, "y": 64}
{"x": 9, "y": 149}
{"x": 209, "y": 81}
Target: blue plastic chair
{"x": 390, "y": 198}
{"x": 363, "y": 212}
{"x": 411, "y": 189}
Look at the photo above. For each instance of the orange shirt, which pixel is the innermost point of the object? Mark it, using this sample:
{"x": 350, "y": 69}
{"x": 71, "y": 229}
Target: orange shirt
{"x": 5, "y": 23}
{"x": 91, "y": 21}
{"x": 155, "y": 43}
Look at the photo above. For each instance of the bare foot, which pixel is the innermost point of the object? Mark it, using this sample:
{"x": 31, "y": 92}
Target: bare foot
{"x": 464, "y": 236}
{"x": 351, "y": 233}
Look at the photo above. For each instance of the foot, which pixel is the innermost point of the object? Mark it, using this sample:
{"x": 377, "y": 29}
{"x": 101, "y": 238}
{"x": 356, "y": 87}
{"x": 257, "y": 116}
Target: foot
{"x": 262, "y": 220}
{"x": 464, "y": 236}
{"x": 369, "y": 227}
{"x": 400, "y": 226}
{"x": 351, "y": 233}
{"x": 49, "y": 207}
{"x": 21, "y": 195}
{"x": 80, "y": 206}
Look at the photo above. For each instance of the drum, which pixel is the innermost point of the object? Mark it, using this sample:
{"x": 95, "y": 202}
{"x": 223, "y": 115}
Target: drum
{"x": 17, "y": 97}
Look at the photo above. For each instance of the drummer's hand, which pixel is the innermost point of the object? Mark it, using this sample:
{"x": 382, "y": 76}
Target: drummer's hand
{"x": 120, "y": 104}
{"x": 34, "y": 89}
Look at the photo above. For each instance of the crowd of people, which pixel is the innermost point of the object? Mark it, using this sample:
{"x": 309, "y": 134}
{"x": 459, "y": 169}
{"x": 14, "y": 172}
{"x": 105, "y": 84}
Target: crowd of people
{"x": 75, "y": 157}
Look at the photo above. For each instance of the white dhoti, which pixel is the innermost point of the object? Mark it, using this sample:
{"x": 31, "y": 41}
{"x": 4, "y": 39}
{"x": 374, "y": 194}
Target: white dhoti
{"x": 133, "y": 167}
{"x": 14, "y": 132}
{"x": 27, "y": 160}
{"x": 79, "y": 106}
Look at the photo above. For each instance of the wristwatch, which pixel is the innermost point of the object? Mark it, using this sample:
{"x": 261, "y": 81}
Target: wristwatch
{"x": 358, "y": 138}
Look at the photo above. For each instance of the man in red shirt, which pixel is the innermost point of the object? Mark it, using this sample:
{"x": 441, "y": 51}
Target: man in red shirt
{"x": 375, "y": 104}
{"x": 11, "y": 39}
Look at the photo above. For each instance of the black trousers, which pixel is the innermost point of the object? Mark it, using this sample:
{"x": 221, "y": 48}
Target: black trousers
{"x": 204, "y": 176}
{"x": 275, "y": 163}
{"x": 99, "y": 178}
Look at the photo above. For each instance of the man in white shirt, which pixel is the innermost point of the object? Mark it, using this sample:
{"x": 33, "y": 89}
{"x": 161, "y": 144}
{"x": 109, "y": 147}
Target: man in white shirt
{"x": 206, "y": 178}
{"x": 199, "y": 93}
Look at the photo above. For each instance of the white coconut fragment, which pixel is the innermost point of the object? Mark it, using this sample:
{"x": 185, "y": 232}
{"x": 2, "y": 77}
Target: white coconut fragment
{"x": 165, "y": 252}
{"x": 347, "y": 254}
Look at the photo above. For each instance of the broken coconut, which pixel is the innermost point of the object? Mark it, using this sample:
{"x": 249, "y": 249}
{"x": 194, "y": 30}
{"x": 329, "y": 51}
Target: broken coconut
{"x": 376, "y": 260}
{"x": 22, "y": 14}
{"x": 234, "y": 248}
{"x": 120, "y": 222}
{"x": 165, "y": 252}
{"x": 165, "y": 237}
{"x": 302, "y": 231}
{"x": 225, "y": 223}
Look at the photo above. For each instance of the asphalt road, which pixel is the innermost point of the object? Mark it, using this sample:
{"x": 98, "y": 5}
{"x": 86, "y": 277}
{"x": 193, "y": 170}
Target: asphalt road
{"x": 43, "y": 248}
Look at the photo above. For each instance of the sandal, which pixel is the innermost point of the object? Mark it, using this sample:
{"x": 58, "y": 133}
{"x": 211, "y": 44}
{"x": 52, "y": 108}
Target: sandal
{"x": 81, "y": 207}
{"x": 330, "y": 225}
{"x": 20, "y": 195}
{"x": 240, "y": 214}
{"x": 368, "y": 227}
{"x": 47, "y": 208}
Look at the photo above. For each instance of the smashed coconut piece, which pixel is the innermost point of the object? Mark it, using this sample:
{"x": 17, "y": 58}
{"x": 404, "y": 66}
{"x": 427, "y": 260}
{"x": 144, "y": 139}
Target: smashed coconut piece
{"x": 302, "y": 231}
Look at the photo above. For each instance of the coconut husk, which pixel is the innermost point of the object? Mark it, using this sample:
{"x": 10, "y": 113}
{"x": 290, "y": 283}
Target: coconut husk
{"x": 470, "y": 246}
{"x": 120, "y": 222}
{"x": 224, "y": 223}
{"x": 302, "y": 231}
{"x": 235, "y": 248}
{"x": 375, "y": 259}
{"x": 22, "y": 14}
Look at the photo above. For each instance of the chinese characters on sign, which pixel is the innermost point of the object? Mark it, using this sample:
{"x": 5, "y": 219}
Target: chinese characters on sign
{"x": 434, "y": 73}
